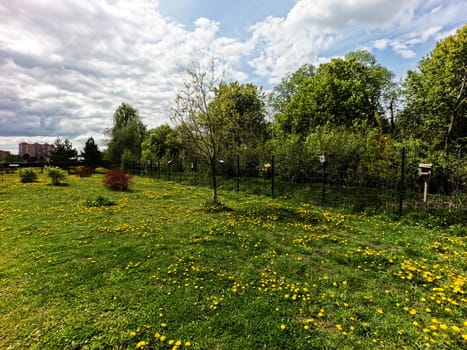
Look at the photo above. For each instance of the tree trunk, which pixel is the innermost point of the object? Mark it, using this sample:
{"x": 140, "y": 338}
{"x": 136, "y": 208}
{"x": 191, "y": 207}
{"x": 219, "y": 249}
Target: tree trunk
{"x": 214, "y": 180}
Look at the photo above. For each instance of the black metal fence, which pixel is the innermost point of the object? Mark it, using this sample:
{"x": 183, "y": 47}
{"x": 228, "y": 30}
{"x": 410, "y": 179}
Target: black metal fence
{"x": 398, "y": 185}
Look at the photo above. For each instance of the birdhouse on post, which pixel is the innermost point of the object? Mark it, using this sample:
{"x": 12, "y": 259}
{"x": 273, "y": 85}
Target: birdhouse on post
{"x": 424, "y": 170}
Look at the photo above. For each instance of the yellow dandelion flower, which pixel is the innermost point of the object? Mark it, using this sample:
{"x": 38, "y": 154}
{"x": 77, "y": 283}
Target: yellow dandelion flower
{"x": 171, "y": 342}
{"x": 380, "y": 311}
{"x": 157, "y": 335}
{"x": 443, "y": 326}
{"x": 178, "y": 343}
{"x": 132, "y": 333}
{"x": 141, "y": 344}
{"x": 187, "y": 344}
{"x": 162, "y": 338}
{"x": 412, "y": 311}
{"x": 163, "y": 325}
{"x": 456, "y": 329}
{"x": 283, "y": 326}
{"x": 339, "y": 327}
{"x": 306, "y": 327}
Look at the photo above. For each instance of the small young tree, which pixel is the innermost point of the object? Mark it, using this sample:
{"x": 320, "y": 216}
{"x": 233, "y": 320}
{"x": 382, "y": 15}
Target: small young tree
{"x": 56, "y": 175}
{"x": 27, "y": 175}
{"x": 200, "y": 121}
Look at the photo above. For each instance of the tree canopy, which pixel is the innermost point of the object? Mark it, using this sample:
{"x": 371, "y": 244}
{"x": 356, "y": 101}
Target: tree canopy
{"x": 63, "y": 151}
{"x": 339, "y": 93}
{"x": 436, "y": 94}
{"x": 161, "y": 141}
{"x": 91, "y": 154}
{"x": 126, "y": 136}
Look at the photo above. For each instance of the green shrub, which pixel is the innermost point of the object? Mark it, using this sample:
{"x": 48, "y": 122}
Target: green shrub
{"x": 56, "y": 175}
{"x": 436, "y": 217}
{"x": 27, "y": 175}
{"x": 117, "y": 179}
{"x": 100, "y": 201}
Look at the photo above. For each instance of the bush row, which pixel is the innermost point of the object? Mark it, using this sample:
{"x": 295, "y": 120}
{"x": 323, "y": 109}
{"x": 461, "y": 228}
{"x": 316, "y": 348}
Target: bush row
{"x": 115, "y": 179}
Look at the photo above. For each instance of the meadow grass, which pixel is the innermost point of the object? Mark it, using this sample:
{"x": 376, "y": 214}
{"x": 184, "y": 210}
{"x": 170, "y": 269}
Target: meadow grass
{"x": 83, "y": 267}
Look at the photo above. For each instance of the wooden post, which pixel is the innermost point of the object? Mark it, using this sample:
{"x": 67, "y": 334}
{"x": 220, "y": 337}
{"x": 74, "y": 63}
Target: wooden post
{"x": 425, "y": 189}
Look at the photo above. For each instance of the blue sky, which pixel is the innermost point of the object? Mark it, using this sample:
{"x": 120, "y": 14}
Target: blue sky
{"x": 65, "y": 66}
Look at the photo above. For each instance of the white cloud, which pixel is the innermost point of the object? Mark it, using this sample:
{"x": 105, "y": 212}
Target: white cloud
{"x": 312, "y": 27}
{"x": 381, "y": 44}
{"x": 65, "y": 66}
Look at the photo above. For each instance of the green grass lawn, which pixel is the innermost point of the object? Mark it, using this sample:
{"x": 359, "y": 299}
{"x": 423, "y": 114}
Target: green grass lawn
{"x": 161, "y": 269}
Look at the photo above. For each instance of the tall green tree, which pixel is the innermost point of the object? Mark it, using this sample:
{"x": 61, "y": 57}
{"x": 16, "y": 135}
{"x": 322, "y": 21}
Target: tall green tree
{"x": 340, "y": 92}
{"x": 160, "y": 142}
{"x": 436, "y": 108}
{"x": 243, "y": 109}
{"x": 91, "y": 154}
{"x": 283, "y": 93}
{"x": 63, "y": 152}
{"x": 126, "y": 136}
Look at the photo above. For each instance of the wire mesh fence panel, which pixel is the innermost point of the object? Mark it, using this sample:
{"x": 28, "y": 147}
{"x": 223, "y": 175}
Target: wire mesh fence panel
{"x": 380, "y": 184}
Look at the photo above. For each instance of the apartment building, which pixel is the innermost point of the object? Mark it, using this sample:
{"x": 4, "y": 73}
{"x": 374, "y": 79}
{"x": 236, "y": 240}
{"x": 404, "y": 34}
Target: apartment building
{"x": 35, "y": 150}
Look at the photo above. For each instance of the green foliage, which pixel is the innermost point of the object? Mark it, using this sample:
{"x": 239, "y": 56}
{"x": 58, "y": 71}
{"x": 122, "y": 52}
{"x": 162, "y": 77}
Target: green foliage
{"x": 437, "y": 217}
{"x": 56, "y": 175}
{"x": 117, "y": 179}
{"x": 242, "y": 109}
{"x": 283, "y": 93}
{"x": 436, "y": 97}
{"x": 63, "y": 152}
{"x": 126, "y": 136}
{"x": 27, "y": 175}
{"x": 99, "y": 201}
{"x": 293, "y": 161}
{"x": 91, "y": 154}
{"x": 339, "y": 93}
{"x": 161, "y": 141}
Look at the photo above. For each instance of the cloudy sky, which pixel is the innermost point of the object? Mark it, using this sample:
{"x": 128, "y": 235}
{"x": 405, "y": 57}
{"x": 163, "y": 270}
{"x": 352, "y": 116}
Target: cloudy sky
{"x": 66, "y": 65}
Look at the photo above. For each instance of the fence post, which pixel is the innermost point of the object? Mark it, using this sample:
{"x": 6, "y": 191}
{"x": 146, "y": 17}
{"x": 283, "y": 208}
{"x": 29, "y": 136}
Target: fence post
{"x": 272, "y": 176}
{"x": 238, "y": 172}
{"x": 401, "y": 184}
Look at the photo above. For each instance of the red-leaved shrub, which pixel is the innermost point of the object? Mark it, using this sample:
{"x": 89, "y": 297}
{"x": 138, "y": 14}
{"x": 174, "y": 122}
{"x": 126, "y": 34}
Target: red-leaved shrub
{"x": 117, "y": 179}
{"x": 84, "y": 171}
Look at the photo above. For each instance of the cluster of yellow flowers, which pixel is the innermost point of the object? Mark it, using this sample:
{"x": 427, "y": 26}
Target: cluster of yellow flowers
{"x": 160, "y": 339}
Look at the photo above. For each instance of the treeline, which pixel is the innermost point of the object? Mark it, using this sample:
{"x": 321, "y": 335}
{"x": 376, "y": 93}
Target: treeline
{"x": 350, "y": 108}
